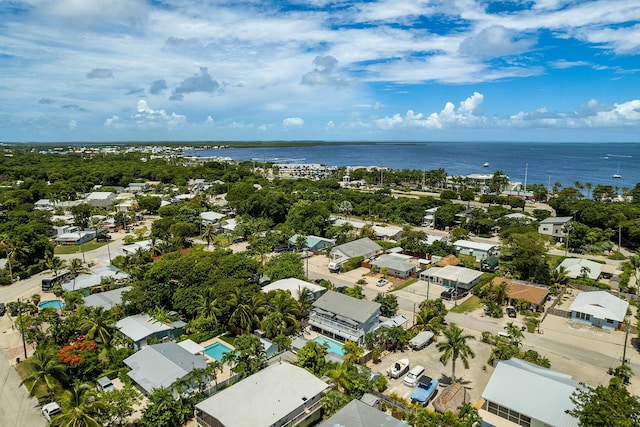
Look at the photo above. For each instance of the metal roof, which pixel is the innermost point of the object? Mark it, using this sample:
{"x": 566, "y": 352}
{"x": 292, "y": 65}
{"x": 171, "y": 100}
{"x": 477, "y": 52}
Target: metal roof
{"x": 107, "y": 299}
{"x": 601, "y": 305}
{"x": 140, "y": 326}
{"x": 358, "y": 247}
{"x": 468, "y": 244}
{"x": 292, "y": 285}
{"x": 573, "y": 267}
{"x": 534, "y": 391}
{"x": 159, "y": 365}
{"x": 556, "y": 220}
{"x": 453, "y": 273}
{"x": 359, "y": 414}
{"x": 264, "y": 398}
{"x": 348, "y": 307}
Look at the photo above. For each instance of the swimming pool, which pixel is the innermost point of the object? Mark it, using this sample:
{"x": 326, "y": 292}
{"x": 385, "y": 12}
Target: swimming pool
{"x": 55, "y": 303}
{"x": 333, "y": 346}
{"x": 216, "y": 351}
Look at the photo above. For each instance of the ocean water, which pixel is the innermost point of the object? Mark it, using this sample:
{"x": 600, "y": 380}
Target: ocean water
{"x": 542, "y": 163}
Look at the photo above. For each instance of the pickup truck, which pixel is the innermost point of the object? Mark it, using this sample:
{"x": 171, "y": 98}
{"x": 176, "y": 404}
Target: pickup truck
{"x": 425, "y": 390}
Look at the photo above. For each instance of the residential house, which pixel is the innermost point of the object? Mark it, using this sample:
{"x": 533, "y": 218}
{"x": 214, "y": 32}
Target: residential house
{"x": 142, "y": 245}
{"x": 460, "y": 278}
{"x": 279, "y": 395}
{"x": 534, "y": 295}
{"x": 580, "y": 267}
{"x": 100, "y": 199}
{"x": 160, "y": 365}
{"x": 358, "y": 414}
{"x": 270, "y": 348}
{"x": 140, "y": 327}
{"x": 211, "y": 217}
{"x": 106, "y": 300}
{"x": 382, "y": 232}
{"x": 71, "y": 238}
{"x": 555, "y": 227}
{"x": 343, "y": 317}
{"x": 364, "y": 247}
{"x": 519, "y": 216}
{"x": 93, "y": 279}
{"x": 295, "y": 286}
{"x": 600, "y": 309}
{"x": 429, "y": 218}
{"x": 313, "y": 243}
{"x": 528, "y": 395}
{"x": 44, "y": 204}
{"x": 396, "y": 266}
{"x": 478, "y": 250}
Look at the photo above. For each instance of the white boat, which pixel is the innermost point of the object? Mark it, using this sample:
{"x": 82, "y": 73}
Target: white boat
{"x": 485, "y": 164}
{"x": 398, "y": 368}
{"x": 617, "y": 174}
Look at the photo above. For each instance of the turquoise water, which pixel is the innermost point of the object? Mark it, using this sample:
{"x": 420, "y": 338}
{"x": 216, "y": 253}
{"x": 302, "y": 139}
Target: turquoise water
{"x": 216, "y": 351}
{"x": 55, "y": 303}
{"x": 333, "y": 346}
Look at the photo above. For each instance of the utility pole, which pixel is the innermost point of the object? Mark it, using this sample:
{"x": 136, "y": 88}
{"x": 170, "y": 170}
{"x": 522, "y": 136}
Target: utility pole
{"x": 24, "y": 343}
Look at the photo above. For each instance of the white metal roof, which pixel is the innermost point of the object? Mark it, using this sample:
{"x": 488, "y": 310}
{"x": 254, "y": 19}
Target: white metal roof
{"x": 537, "y": 392}
{"x": 292, "y": 285}
{"x": 601, "y": 305}
{"x": 191, "y": 346}
{"x": 454, "y": 273}
{"x": 140, "y": 326}
{"x": 573, "y": 267}
{"x": 265, "y": 397}
{"x": 474, "y": 245}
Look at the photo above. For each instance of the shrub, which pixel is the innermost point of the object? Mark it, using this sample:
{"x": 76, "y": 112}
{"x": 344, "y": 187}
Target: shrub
{"x": 352, "y": 264}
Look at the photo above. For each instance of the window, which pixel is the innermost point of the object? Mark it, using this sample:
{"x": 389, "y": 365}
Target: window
{"x": 610, "y": 321}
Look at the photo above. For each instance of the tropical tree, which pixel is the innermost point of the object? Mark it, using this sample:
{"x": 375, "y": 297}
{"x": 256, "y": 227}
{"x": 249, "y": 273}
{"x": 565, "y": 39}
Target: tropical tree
{"x": 311, "y": 357}
{"x": 79, "y": 405}
{"x": 209, "y": 234}
{"x": 163, "y": 410}
{"x": 352, "y": 352}
{"x": 345, "y": 208}
{"x": 455, "y": 347}
{"x": 13, "y": 247}
{"x": 515, "y": 333}
{"x": 430, "y": 316}
{"x": 97, "y": 325}
{"x": 208, "y": 305}
{"x": 605, "y": 406}
{"x": 245, "y": 313}
{"x": 76, "y": 268}
{"x": 46, "y": 370}
{"x": 388, "y": 304}
{"x": 55, "y": 264}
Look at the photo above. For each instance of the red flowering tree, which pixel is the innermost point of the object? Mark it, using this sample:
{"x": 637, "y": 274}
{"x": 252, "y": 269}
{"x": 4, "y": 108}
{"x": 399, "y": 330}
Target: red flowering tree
{"x": 78, "y": 352}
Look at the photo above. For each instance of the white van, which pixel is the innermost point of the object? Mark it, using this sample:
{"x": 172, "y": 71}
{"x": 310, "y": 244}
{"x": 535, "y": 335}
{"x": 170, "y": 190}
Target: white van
{"x": 413, "y": 376}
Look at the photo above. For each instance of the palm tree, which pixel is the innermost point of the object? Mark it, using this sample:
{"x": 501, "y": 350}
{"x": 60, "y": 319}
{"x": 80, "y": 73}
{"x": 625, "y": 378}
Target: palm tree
{"x": 209, "y": 234}
{"x": 55, "y": 263}
{"x": 79, "y": 404}
{"x": 515, "y": 333}
{"x": 98, "y": 325}
{"x": 455, "y": 347}
{"x": 76, "y": 268}
{"x": 287, "y": 307}
{"x": 213, "y": 368}
{"x": 47, "y": 370}
{"x": 13, "y": 248}
{"x": 208, "y": 306}
{"x": 346, "y": 207}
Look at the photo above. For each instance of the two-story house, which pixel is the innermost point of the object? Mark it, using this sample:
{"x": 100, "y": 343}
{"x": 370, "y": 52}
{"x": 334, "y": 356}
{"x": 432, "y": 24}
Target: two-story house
{"x": 343, "y": 317}
{"x": 555, "y": 227}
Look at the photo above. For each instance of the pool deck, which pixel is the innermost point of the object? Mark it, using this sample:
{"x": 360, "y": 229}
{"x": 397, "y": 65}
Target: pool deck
{"x": 226, "y": 370}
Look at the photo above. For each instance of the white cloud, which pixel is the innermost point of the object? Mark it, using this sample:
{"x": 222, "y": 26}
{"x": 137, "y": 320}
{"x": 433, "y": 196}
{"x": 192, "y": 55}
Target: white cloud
{"x": 292, "y": 122}
{"x": 209, "y": 120}
{"x": 147, "y": 118}
{"x": 95, "y": 14}
{"x": 72, "y": 125}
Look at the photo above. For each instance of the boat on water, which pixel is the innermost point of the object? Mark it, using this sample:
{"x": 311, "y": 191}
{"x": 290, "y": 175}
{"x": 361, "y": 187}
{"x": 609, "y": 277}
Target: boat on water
{"x": 485, "y": 164}
{"x": 617, "y": 174}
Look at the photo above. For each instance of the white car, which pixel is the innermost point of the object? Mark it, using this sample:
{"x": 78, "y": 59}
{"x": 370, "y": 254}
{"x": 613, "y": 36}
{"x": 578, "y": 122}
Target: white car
{"x": 50, "y": 410}
{"x": 380, "y": 283}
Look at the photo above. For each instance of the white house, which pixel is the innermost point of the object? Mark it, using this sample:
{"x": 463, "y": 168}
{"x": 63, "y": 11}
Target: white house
{"x": 279, "y": 395}
{"x": 580, "y": 267}
{"x": 478, "y": 250}
{"x": 555, "y": 227}
{"x": 364, "y": 247}
{"x": 600, "y": 309}
{"x": 452, "y": 276}
{"x": 100, "y": 199}
{"x": 395, "y": 265}
{"x": 294, "y": 286}
{"x": 343, "y": 317}
{"x": 528, "y": 395}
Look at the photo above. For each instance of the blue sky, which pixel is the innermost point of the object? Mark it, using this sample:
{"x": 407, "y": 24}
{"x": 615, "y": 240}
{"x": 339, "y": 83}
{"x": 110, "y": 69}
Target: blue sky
{"x": 180, "y": 70}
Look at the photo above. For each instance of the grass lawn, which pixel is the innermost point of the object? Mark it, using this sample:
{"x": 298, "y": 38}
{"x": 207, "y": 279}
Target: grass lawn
{"x": 470, "y": 304}
{"x": 85, "y": 247}
{"x": 25, "y": 369}
{"x": 404, "y": 285}
{"x": 228, "y": 339}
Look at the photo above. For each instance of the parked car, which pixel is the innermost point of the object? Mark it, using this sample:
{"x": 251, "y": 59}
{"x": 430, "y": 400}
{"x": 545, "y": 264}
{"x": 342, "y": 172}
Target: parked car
{"x": 104, "y": 384}
{"x": 50, "y": 410}
{"x": 103, "y": 238}
{"x": 3, "y": 309}
{"x": 511, "y": 312}
{"x": 413, "y": 376}
{"x": 452, "y": 294}
{"x": 380, "y": 283}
